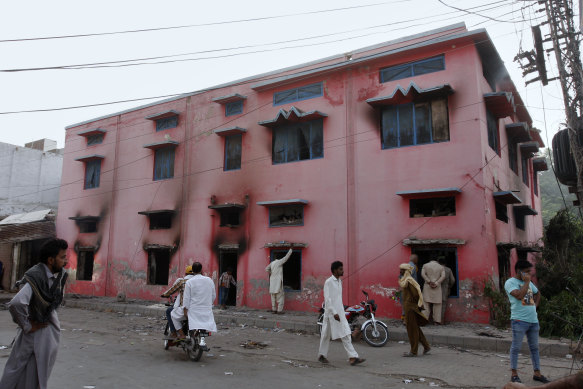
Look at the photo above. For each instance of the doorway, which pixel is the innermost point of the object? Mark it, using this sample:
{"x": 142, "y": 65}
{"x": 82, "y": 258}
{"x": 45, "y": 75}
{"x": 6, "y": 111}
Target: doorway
{"x": 449, "y": 254}
{"x": 503, "y": 267}
{"x": 228, "y": 260}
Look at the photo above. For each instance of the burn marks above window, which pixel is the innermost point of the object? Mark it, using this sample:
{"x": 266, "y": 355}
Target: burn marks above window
{"x": 86, "y": 224}
{"x": 230, "y": 214}
{"x": 160, "y": 219}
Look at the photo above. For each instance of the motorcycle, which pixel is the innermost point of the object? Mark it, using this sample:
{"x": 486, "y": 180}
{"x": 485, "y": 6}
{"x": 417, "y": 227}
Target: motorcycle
{"x": 374, "y": 331}
{"x": 193, "y": 344}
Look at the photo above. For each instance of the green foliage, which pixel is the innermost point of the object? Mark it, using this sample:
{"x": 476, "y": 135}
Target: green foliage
{"x": 561, "y": 315}
{"x": 499, "y": 305}
{"x": 550, "y": 194}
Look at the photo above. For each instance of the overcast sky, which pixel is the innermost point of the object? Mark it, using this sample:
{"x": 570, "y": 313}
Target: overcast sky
{"x": 332, "y": 31}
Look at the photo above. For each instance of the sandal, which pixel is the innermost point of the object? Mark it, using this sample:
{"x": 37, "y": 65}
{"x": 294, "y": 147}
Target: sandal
{"x": 356, "y": 361}
{"x": 409, "y": 355}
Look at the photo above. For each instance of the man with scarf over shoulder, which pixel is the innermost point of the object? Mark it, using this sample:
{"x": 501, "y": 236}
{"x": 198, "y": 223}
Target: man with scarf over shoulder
{"x": 412, "y": 304}
{"x": 34, "y": 350}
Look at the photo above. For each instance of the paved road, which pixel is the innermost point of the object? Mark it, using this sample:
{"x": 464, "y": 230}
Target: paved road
{"x": 114, "y": 350}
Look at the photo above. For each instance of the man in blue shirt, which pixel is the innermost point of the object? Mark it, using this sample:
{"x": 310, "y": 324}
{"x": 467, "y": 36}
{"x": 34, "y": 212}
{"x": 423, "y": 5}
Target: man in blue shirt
{"x": 524, "y": 298}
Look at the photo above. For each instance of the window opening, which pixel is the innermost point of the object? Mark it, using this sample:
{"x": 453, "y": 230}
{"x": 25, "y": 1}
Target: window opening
{"x": 229, "y": 217}
{"x": 160, "y": 221}
{"x": 233, "y": 152}
{"x": 520, "y": 220}
{"x": 501, "y": 211}
{"x": 525, "y": 171}
{"x": 298, "y": 141}
{"x": 158, "y": 266}
{"x": 87, "y": 226}
{"x": 513, "y": 155}
{"x": 412, "y": 69}
{"x": 535, "y": 183}
{"x": 234, "y": 108}
{"x": 164, "y": 163}
{"x": 94, "y": 139}
{"x": 431, "y": 207}
{"x": 286, "y": 215}
{"x": 503, "y": 267}
{"x": 167, "y": 123}
{"x": 426, "y": 254}
{"x": 85, "y": 265}
{"x": 292, "y": 269}
{"x": 297, "y": 94}
{"x": 92, "y": 173}
{"x": 493, "y": 136}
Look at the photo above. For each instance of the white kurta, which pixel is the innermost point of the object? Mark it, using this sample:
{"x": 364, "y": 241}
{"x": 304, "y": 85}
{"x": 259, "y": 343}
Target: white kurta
{"x": 34, "y": 354}
{"x": 177, "y": 313}
{"x": 275, "y": 270}
{"x": 199, "y": 295}
{"x": 333, "y": 306}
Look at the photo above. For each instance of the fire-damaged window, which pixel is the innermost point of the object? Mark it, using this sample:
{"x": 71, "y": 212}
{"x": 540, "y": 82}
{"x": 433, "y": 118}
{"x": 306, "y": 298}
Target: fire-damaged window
{"x": 430, "y": 207}
{"x": 160, "y": 221}
{"x": 87, "y": 226}
{"x": 298, "y": 141}
{"x": 233, "y": 152}
{"x": 447, "y": 254}
{"x": 292, "y": 269}
{"x": 85, "y": 265}
{"x": 501, "y": 211}
{"x": 414, "y": 124}
{"x": 286, "y": 215}
{"x": 412, "y": 69}
{"x": 493, "y": 136}
{"x": 164, "y": 163}
{"x": 230, "y": 217}
{"x": 158, "y": 266}
{"x": 92, "y": 173}
{"x": 167, "y": 123}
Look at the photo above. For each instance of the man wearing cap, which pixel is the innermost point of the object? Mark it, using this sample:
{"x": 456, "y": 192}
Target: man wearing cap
{"x": 175, "y": 314}
{"x": 413, "y": 304}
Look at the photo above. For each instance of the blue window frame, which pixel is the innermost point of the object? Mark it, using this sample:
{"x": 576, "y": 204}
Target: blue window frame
{"x": 414, "y": 124}
{"x": 92, "y": 173}
{"x": 297, "y": 94}
{"x": 298, "y": 141}
{"x": 413, "y": 69}
{"x": 167, "y": 123}
{"x": 292, "y": 269}
{"x": 493, "y": 136}
{"x": 94, "y": 139}
{"x": 234, "y": 108}
{"x": 164, "y": 163}
{"x": 233, "y": 152}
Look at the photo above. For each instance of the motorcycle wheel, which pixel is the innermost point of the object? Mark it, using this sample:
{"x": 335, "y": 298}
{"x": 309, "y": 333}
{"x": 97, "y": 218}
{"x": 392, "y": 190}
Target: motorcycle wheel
{"x": 320, "y": 323}
{"x": 166, "y": 341}
{"x": 376, "y": 338}
{"x": 193, "y": 349}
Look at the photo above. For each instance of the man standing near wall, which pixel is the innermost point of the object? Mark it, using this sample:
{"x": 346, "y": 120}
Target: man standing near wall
{"x": 275, "y": 270}
{"x": 524, "y": 298}
{"x": 446, "y": 285}
{"x": 34, "y": 310}
{"x": 433, "y": 274}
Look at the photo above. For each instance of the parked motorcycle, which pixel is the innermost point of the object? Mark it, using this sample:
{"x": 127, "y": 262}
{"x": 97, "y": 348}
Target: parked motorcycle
{"x": 374, "y": 331}
{"x": 193, "y": 344}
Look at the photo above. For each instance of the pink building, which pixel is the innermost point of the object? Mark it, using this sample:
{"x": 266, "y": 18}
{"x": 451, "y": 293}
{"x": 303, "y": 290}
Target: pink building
{"x": 418, "y": 145}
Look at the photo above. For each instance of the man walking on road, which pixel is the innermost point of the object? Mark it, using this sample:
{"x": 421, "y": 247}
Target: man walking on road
{"x": 34, "y": 310}
{"x": 335, "y": 325}
{"x": 524, "y": 298}
{"x": 412, "y": 303}
{"x": 275, "y": 270}
{"x": 199, "y": 294}
{"x": 433, "y": 274}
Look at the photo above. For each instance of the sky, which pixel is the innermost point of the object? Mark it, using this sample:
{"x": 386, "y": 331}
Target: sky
{"x": 217, "y": 42}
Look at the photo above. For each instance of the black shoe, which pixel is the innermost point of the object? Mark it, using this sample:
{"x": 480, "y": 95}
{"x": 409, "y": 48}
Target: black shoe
{"x": 515, "y": 378}
{"x": 541, "y": 378}
{"x": 323, "y": 359}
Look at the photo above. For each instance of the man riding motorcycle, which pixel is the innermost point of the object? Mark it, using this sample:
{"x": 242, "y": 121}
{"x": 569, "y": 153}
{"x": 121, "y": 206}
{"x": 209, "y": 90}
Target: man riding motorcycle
{"x": 175, "y": 314}
{"x": 199, "y": 294}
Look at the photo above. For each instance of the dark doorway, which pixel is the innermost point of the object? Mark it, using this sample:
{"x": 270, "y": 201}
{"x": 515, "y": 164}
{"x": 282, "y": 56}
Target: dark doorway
{"x": 503, "y": 266}
{"x": 85, "y": 265}
{"x": 426, "y": 254}
{"x": 292, "y": 269}
{"x": 228, "y": 260}
{"x": 158, "y": 266}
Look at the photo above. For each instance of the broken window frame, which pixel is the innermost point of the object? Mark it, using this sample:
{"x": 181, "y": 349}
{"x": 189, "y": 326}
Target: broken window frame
{"x": 233, "y": 152}
{"x": 152, "y": 277}
{"x": 412, "y": 69}
{"x": 92, "y": 174}
{"x": 164, "y": 163}
{"x": 294, "y": 208}
{"x": 289, "y": 142}
{"x": 417, "y": 204}
{"x": 84, "y": 266}
{"x": 294, "y": 260}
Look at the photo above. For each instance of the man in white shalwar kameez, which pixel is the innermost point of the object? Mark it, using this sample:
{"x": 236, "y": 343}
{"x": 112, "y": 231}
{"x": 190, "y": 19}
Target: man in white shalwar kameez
{"x": 275, "y": 270}
{"x": 199, "y": 295}
{"x": 335, "y": 325}
{"x": 34, "y": 351}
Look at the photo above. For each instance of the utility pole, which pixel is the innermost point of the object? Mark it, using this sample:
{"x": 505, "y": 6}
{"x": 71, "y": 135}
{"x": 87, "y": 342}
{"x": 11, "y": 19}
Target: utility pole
{"x": 565, "y": 41}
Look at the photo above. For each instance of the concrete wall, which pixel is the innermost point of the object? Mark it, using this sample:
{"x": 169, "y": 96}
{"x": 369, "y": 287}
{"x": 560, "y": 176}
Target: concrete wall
{"x": 353, "y": 215}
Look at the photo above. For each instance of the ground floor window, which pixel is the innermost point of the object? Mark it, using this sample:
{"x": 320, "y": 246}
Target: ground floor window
{"x": 158, "y": 266}
{"x": 449, "y": 254}
{"x": 85, "y": 265}
{"x": 292, "y": 270}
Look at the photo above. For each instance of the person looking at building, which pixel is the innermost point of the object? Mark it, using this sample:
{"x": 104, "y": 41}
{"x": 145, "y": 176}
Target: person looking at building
{"x": 524, "y": 298}
{"x": 275, "y": 270}
{"x": 334, "y": 324}
{"x": 225, "y": 282}
{"x": 446, "y": 286}
{"x": 175, "y": 314}
{"x": 34, "y": 350}
{"x": 413, "y": 304}
{"x": 199, "y": 295}
{"x": 433, "y": 274}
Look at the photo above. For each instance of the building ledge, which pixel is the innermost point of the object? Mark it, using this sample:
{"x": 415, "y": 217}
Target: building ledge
{"x": 285, "y": 244}
{"x": 506, "y": 197}
{"x": 229, "y": 98}
{"x": 539, "y": 164}
{"x": 430, "y": 192}
{"x": 89, "y": 157}
{"x": 520, "y": 246}
{"x": 528, "y": 148}
{"x": 92, "y": 131}
{"x": 524, "y": 210}
{"x": 85, "y": 218}
{"x": 230, "y": 131}
{"x": 500, "y": 104}
{"x": 160, "y": 145}
{"x": 283, "y": 202}
{"x": 535, "y": 135}
{"x": 154, "y": 246}
{"x": 425, "y": 242}
{"x": 293, "y": 115}
{"x": 412, "y": 93}
{"x": 519, "y": 132}
{"x": 159, "y": 211}
{"x": 228, "y": 246}
{"x": 163, "y": 115}
{"x": 228, "y": 206}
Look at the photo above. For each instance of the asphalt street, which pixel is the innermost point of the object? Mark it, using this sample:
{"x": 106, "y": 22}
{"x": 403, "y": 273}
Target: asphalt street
{"x": 116, "y": 350}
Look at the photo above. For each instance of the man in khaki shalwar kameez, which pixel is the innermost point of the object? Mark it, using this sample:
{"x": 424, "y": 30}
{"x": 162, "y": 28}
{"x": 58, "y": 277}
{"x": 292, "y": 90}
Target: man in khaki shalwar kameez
{"x": 275, "y": 270}
{"x": 433, "y": 274}
{"x": 414, "y": 318}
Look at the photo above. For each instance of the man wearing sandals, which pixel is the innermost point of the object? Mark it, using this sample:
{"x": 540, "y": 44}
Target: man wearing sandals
{"x": 335, "y": 325}
{"x": 413, "y": 304}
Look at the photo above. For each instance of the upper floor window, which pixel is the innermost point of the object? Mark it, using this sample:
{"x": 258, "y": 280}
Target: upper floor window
{"x": 415, "y": 124}
{"x": 234, "y": 108}
{"x": 525, "y": 171}
{"x": 512, "y": 154}
{"x": 412, "y": 69}
{"x": 233, "y": 152}
{"x": 164, "y": 163}
{"x": 493, "y": 136}
{"x": 296, "y": 94}
{"x": 286, "y": 215}
{"x": 94, "y": 139}
{"x": 431, "y": 207}
{"x": 298, "y": 141}
{"x": 92, "y": 173}
{"x": 166, "y": 123}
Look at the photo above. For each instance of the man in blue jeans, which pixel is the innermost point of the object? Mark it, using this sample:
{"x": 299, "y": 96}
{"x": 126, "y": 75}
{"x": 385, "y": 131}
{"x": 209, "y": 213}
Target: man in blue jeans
{"x": 524, "y": 298}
